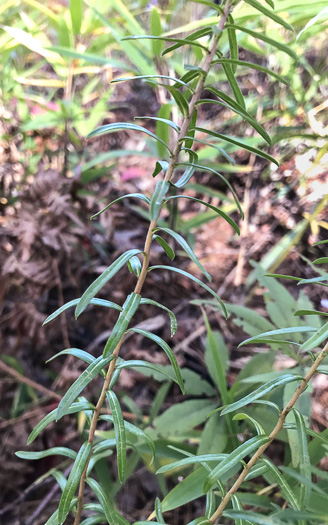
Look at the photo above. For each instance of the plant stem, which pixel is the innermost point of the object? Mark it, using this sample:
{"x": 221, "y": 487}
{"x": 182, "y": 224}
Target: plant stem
{"x": 168, "y": 175}
{"x": 272, "y": 436}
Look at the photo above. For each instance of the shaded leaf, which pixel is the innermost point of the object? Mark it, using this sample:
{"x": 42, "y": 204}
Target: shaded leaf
{"x": 162, "y": 187}
{"x": 166, "y": 247}
{"x": 113, "y": 517}
{"x": 134, "y": 195}
{"x": 173, "y": 319}
{"x": 60, "y": 451}
{"x": 119, "y": 428}
{"x": 269, "y": 14}
{"x": 130, "y": 306}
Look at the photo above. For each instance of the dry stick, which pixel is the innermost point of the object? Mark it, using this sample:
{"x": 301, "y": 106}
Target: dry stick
{"x": 145, "y": 265}
{"x": 272, "y": 436}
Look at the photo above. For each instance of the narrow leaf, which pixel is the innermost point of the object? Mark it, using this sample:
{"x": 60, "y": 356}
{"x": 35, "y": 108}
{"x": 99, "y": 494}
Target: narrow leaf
{"x": 100, "y": 282}
{"x": 320, "y": 336}
{"x": 261, "y": 391}
{"x": 269, "y": 14}
{"x": 137, "y": 363}
{"x": 82, "y": 381}
{"x": 134, "y": 195}
{"x": 166, "y": 247}
{"x": 233, "y": 84}
{"x": 52, "y": 416}
{"x": 283, "y": 484}
{"x": 173, "y": 319}
{"x": 73, "y": 481}
{"x": 200, "y": 283}
{"x": 185, "y": 246}
{"x": 54, "y": 451}
{"x": 119, "y": 434}
{"x": 74, "y": 302}
{"x": 76, "y": 15}
{"x": 76, "y": 352}
{"x": 113, "y": 517}
{"x": 234, "y": 458}
{"x": 162, "y": 187}
{"x": 147, "y": 77}
{"x": 129, "y": 309}
{"x": 169, "y": 122}
{"x": 304, "y": 459}
{"x": 118, "y": 126}
{"x": 280, "y": 331}
{"x": 167, "y": 350}
{"x": 156, "y": 30}
{"x": 251, "y": 65}
{"x": 191, "y": 460}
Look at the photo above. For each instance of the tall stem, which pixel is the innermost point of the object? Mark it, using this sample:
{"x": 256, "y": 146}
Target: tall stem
{"x": 168, "y": 175}
{"x": 272, "y": 436}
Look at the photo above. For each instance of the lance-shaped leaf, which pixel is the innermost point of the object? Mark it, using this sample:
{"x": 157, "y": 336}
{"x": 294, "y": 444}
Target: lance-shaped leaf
{"x": 233, "y": 44}
{"x": 118, "y": 126}
{"x": 269, "y": 14}
{"x": 166, "y": 247}
{"x": 310, "y": 312}
{"x": 74, "y": 302}
{"x": 76, "y": 15}
{"x": 234, "y": 84}
{"x": 166, "y": 39}
{"x": 304, "y": 459}
{"x": 54, "y": 451}
{"x": 76, "y": 352}
{"x": 158, "y": 511}
{"x": 316, "y": 340}
{"x": 156, "y": 30}
{"x": 148, "y": 77}
{"x": 167, "y": 121}
{"x": 185, "y": 177}
{"x": 100, "y": 282}
{"x": 129, "y": 309}
{"x": 192, "y": 125}
{"x": 134, "y": 195}
{"x": 156, "y": 201}
{"x": 280, "y": 331}
{"x": 319, "y": 279}
{"x": 237, "y": 506}
{"x": 282, "y": 482}
{"x": 251, "y": 65}
{"x": 321, "y": 260}
{"x": 260, "y": 392}
{"x": 214, "y": 208}
{"x": 211, "y": 170}
{"x": 158, "y": 340}
{"x": 135, "y": 266}
{"x": 53, "y": 520}
{"x": 119, "y": 429}
{"x": 82, "y": 381}
{"x": 173, "y": 319}
{"x": 52, "y": 416}
{"x": 232, "y": 459}
{"x": 252, "y": 517}
{"x": 191, "y": 460}
{"x": 238, "y": 143}
{"x": 241, "y": 416}
{"x": 261, "y": 36}
{"x": 73, "y": 481}
{"x": 200, "y": 521}
{"x": 137, "y": 363}
{"x": 192, "y": 278}
{"x": 193, "y": 36}
{"x": 185, "y": 246}
{"x": 221, "y": 150}
{"x": 136, "y": 431}
{"x": 113, "y": 517}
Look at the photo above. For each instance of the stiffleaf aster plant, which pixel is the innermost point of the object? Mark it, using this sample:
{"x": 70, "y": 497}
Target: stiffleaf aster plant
{"x": 109, "y": 364}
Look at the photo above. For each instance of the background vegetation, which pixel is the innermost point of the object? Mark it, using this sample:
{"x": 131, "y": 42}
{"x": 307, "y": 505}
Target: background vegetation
{"x": 57, "y": 67}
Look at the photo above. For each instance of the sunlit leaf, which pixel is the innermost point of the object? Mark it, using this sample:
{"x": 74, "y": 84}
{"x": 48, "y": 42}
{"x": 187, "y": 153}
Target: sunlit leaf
{"x": 269, "y": 14}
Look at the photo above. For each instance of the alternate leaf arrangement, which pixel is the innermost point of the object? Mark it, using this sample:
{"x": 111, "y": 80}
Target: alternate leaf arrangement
{"x": 186, "y": 92}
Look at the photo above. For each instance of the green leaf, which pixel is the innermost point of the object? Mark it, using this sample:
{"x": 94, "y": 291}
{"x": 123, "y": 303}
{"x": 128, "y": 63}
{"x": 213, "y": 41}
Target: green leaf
{"x": 237, "y": 506}
{"x": 251, "y": 65}
{"x": 234, "y": 84}
{"x": 310, "y": 312}
{"x": 73, "y": 481}
{"x": 261, "y": 391}
{"x": 161, "y": 165}
{"x": 269, "y": 14}
{"x": 60, "y": 451}
{"x": 252, "y": 517}
{"x": 136, "y": 431}
{"x": 304, "y": 459}
{"x": 161, "y": 189}
{"x": 211, "y": 170}
{"x": 214, "y": 208}
{"x": 158, "y": 511}
{"x": 280, "y": 331}
{"x": 319, "y": 279}
{"x": 191, "y": 37}
{"x": 100, "y": 282}
{"x": 87, "y": 57}
{"x": 233, "y": 45}
{"x": 162, "y": 129}
{"x": 129, "y": 309}
{"x": 158, "y": 340}
{"x": 185, "y": 246}
{"x": 76, "y": 15}
{"x": 148, "y": 77}
{"x": 52, "y": 416}
{"x": 316, "y": 340}
{"x": 187, "y": 490}
{"x": 191, "y": 460}
{"x": 221, "y": 150}
{"x": 169, "y": 122}
{"x": 166, "y": 247}
{"x": 216, "y": 358}
{"x": 191, "y": 132}
{"x": 118, "y": 126}
{"x": 180, "y": 41}
{"x": 82, "y": 381}
{"x": 134, "y": 195}
{"x": 156, "y": 30}
{"x": 238, "y": 143}
{"x": 53, "y": 520}
{"x": 192, "y": 278}
{"x": 185, "y": 177}
{"x": 137, "y": 363}
{"x": 74, "y": 302}
{"x": 76, "y": 352}
{"x": 261, "y": 36}
{"x": 241, "y": 416}
{"x": 113, "y": 517}
{"x": 234, "y": 458}
{"x": 119, "y": 434}
{"x": 321, "y": 260}
{"x": 173, "y": 319}
{"x": 135, "y": 266}
{"x": 282, "y": 482}
{"x": 200, "y": 521}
